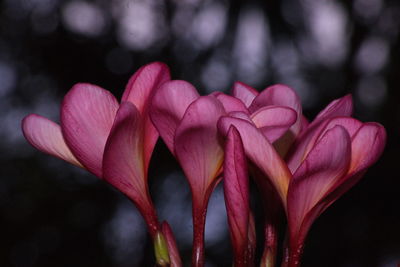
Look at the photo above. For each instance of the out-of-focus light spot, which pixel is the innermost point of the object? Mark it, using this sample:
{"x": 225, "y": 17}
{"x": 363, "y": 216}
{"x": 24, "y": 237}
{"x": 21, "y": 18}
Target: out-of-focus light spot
{"x": 367, "y": 9}
{"x": 119, "y": 61}
{"x": 208, "y": 25}
{"x": 10, "y": 132}
{"x": 181, "y": 16}
{"x": 372, "y": 55}
{"x": 215, "y": 76}
{"x": 372, "y": 91}
{"x": 216, "y": 223}
{"x": 176, "y": 207}
{"x": 83, "y": 18}
{"x": 8, "y": 78}
{"x": 285, "y": 58}
{"x": 303, "y": 88}
{"x": 251, "y": 46}
{"x": 327, "y": 21}
{"x": 124, "y": 235}
{"x": 141, "y": 24}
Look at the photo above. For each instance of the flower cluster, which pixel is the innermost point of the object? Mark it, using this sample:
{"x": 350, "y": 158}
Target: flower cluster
{"x": 300, "y": 167}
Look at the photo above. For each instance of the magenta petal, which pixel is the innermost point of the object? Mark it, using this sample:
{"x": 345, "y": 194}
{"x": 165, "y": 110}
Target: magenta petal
{"x": 139, "y": 91}
{"x": 168, "y": 107}
{"x": 244, "y": 92}
{"x": 261, "y": 152}
{"x": 172, "y": 247}
{"x": 280, "y": 95}
{"x": 308, "y": 139}
{"x": 236, "y": 192}
{"x": 274, "y": 121}
{"x": 143, "y": 83}
{"x": 231, "y": 103}
{"x": 46, "y": 136}
{"x": 123, "y": 164}
{"x": 327, "y": 162}
{"x": 367, "y": 146}
{"x": 123, "y": 161}
{"x": 87, "y": 115}
{"x": 339, "y": 107}
{"x": 197, "y": 145}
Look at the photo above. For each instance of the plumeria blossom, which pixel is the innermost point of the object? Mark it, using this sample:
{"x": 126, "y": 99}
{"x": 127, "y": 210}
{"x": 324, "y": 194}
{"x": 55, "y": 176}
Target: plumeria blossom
{"x": 237, "y": 197}
{"x": 111, "y": 140}
{"x": 187, "y": 123}
{"x": 328, "y": 158}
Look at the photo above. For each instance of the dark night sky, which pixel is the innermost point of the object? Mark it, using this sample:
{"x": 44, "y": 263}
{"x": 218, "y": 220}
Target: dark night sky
{"x": 53, "y": 214}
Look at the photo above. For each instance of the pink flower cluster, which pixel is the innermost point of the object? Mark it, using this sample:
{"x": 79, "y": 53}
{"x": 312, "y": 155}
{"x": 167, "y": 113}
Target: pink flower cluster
{"x": 300, "y": 167}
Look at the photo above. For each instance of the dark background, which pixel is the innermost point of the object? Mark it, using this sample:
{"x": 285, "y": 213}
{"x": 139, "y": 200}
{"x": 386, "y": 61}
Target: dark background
{"x": 53, "y": 214}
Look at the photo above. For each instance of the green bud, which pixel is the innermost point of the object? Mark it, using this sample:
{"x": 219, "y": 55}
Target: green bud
{"x": 161, "y": 250}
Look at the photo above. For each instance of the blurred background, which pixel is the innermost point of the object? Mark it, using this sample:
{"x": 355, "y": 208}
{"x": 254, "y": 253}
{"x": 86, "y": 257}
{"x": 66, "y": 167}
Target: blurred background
{"x": 53, "y": 214}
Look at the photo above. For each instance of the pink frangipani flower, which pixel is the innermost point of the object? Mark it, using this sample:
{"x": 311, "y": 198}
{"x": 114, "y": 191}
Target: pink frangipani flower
{"x": 328, "y": 158}
{"x": 187, "y": 123}
{"x": 112, "y": 141}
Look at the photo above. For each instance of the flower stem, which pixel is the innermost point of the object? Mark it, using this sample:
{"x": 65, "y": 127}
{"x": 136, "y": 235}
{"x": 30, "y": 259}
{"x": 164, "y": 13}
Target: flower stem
{"x": 199, "y": 220}
{"x": 270, "y": 246}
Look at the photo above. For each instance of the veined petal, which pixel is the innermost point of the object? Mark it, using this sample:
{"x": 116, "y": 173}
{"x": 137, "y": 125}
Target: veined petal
{"x": 123, "y": 163}
{"x": 274, "y": 121}
{"x": 367, "y": 146}
{"x": 244, "y": 92}
{"x": 139, "y": 91}
{"x": 168, "y": 107}
{"x": 327, "y": 162}
{"x": 339, "y": 107}
{"x": 307, "y": 141}
{"x": 142, "y": 84}
{"x": 280, "y": 95}
{"x": 46, "y": 136}
{"x": 87, "y": 115}
{"x": 261, "y": 152}
{"x": 231, "y": 103}
{"x": 197, "y": 144}
{"x": 236, "y": 192}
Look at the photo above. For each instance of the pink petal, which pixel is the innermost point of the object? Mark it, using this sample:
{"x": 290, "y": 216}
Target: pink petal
{"x": 231, "y": 103}
{"x": 339, "y": 107}
{"x": 274, "y": 121}
{"x": 123, "y": 161}
{"x": 197, "y": 144}
{"x": 143, "y": 83}
{"x": 168, "y": 107}
{"x": 327, "y": 162}
{"x": 139, "y": 91}
{"x": 244, "y": 92}
{"x": 87, "y": 115}
{"x": 123, "y": 164}
{"x": 236, "y": 192}
{"x": 367, "y": 146}
{"x": 172, "y": 247}
{"x": 46, "y": 136}
{"x": 307, "y": 141}
{"x": 260, "y": 152}
{"x": 279, "y": 95}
